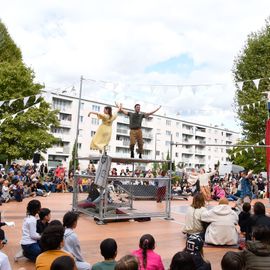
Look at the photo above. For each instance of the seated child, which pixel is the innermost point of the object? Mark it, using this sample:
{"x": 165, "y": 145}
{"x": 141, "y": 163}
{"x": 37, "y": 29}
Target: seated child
{"x": 108, "y": 249}
{"x": 43, "y": 221}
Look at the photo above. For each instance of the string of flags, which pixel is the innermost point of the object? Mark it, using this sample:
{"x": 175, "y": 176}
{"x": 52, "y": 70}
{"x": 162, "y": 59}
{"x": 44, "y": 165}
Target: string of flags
{"x": 37, "y": 105}
{"x": 247, "y": 149}
{"x": 25, "y": 100}
{"x": 252, "y": 105}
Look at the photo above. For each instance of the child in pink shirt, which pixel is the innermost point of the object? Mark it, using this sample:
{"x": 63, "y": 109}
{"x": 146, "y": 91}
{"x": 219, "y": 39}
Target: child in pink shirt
{"x": 149, "y": 260}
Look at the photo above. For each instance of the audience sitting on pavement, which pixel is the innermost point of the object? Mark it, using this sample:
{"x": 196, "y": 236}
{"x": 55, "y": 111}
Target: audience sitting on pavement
{"x": 44, "y": 218}
{"x": 71, "y": 242}
{"x": 128, "y": 262}
{"x": 147, "y": 257}
{"x": 222, "y": 224}
{"x": 52, "y": 240}
{"x": 194, "y": 246}
{"x": 182, "y": 261}
{"x": 233, "y": 261}
{"x": 108, "y": 249}
{"x": 244, "y": 220}
{"x": 193, "y": 222}
{"x": 30, "y": 237}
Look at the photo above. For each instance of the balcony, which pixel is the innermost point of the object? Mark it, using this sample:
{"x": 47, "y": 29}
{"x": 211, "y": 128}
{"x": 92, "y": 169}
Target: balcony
{"x": 187, "y": 131}
{"x": 200, "y": 152}
{"x": 200, "y": 133}
{"x": 62, "y": 150}
{"x": 147, "y": 135}
{"x": 65, "y": 123}
{"x": 122, "y": 131}
{"x": 62, "y": 136}
{"x": 187, "y": 150}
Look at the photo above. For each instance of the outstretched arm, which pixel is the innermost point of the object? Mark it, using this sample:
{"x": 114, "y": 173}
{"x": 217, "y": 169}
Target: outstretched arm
{"x": 120, "y": 108}
{"x": 147, "y": 114}
{"x": 93, "y": 113}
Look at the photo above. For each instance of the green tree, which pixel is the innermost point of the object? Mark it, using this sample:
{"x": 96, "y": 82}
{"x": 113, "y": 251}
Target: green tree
{"x": 28, "y": 132}
{"x": 253, "y": 62}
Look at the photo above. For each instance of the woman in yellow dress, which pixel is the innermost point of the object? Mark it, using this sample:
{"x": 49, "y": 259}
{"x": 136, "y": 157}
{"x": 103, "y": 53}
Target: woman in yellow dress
{"x": 104, "y": 132}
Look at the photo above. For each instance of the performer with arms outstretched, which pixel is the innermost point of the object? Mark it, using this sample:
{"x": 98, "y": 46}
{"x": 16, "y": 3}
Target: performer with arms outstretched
{"x": 135, "y": 125}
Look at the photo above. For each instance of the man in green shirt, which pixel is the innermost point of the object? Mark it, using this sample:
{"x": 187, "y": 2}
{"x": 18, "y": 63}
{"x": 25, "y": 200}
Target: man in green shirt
{"x": 108, "y": 249}
{"x": 135, "y": 125}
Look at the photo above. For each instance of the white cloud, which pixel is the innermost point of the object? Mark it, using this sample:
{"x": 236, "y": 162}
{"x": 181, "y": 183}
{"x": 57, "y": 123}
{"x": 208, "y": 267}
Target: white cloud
{"x": 117, "y": 40}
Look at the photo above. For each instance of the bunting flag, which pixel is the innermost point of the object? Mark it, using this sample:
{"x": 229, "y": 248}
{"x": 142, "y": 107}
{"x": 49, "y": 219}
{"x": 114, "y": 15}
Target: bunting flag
{"x": 256, "y": 82}
{"x": 1, "y": 103}
{"x": 25, "y": 100}
{"x": 11, "y": 101}
{"x": 240, "y": 85}
{"x": 37, "y": 105}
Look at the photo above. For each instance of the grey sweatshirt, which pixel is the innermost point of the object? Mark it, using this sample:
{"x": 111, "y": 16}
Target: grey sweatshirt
{"x": 72, "y": 244}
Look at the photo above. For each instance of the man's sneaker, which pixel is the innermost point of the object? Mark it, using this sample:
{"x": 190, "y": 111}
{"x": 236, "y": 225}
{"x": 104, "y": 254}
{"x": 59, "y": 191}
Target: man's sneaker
{"x": 132, "y": 154}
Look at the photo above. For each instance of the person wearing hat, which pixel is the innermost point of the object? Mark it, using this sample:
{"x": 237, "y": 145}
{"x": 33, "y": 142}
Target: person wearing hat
{"x": 194, "y": 246}
{"x": 222, "y": 227}
{"x": 4, "y": 262}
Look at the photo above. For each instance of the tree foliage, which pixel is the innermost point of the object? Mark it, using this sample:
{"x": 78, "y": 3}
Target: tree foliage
{"x": 253, "y": 62}
{"x": 27, "y": 132}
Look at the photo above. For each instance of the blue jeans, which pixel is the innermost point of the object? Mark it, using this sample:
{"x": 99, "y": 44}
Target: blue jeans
{"x": 31, "y": 251}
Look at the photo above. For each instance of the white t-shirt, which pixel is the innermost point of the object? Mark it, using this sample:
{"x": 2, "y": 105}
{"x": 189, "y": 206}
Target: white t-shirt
{"x": 29, "y": 231}
{"x": 4, "y": 262}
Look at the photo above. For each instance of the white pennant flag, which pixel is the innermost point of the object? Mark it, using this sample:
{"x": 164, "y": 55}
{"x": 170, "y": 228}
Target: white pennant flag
{"x": 263, "y": 141}
{"x": 253, "y": 105}
{"x": 180, "y": 89}
{"x": 248, "y": 106}
{"x": 37, "y": 105}
{"x": 240, "y": 153}
{"x": 240, "y": 85}
{"x": 14, "y": 115}
{"x": 26, "y": 110}
{"x": 37, "y": 97}
{"x": 246, "y": 150}
{"x": 259, "y": 103}
{"x": 1, "y": 103}
{"x": 25, "y": 100}
{"x": 11, "y": 101}
{"x": 2, "y": 121}
{"x": 256, "y": 82}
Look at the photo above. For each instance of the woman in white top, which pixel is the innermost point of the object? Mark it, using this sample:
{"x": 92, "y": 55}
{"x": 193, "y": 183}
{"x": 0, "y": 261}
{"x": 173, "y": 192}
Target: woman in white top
{"x": 193, "y": 222}
{"x": 30, "y": 237}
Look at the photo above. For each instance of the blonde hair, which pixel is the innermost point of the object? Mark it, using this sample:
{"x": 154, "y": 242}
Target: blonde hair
{"x": 128, "y": 262}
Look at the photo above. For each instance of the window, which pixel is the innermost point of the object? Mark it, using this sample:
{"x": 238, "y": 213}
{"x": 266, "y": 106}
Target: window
{"x": 176, "y": 154}
{"x": 177, "y": 124}
{"x": 168, "y": 122}
{"x": 157, "y": 153}
{"x": 177, "y": 134}
{"x": 94, "y": 121}
{"x": 92, "y": 133}
{"x": 82, "y": 106}
{"x": 80, "y": 132}
{"x": 168, "y": 132}
{"x": 95, "y": 108}
{"x": 167, "y": 143}
{"x": 81, "y": 118}
{"x": 79, "y": 145}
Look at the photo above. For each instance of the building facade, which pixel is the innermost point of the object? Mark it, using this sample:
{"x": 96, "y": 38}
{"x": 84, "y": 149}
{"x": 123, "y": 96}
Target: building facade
{"x": 158, "y": 131}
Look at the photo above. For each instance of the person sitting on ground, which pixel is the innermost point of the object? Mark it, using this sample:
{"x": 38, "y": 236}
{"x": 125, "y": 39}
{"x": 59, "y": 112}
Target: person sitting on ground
{"x": 63, "y": 263}
{"x": 233, "y": 261}
{"x": 245, "y": 219}
{"x": 4, "y": 262}
{"x": 257, "y": 252}
{"x": 182, "y": 261}
{"x": 222, "y": 227}
{"x": 193, "y": 222}
{"x": 147, "y": 257}
{"x": 108, "y": 249}
{"x": 128, "y": 262}
{"x": 259, "y": 217}
{"x": 194, "y": 246}
{"x": 44, "y": 218}
{"x": 52, "y": 240}
{"x": 218, "y": 192}
{"x": 30, "y": 237}
{"x": 71, "y": 243}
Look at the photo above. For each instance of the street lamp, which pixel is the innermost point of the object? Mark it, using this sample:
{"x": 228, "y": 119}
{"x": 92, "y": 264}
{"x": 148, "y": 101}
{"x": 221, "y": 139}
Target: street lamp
{"x": 156, "y": 144}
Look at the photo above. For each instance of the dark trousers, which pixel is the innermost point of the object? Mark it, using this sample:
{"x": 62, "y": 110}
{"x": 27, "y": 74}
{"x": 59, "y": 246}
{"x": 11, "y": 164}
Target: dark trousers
{"x": 31, "y": 251}
{"x": 161, "y": 191}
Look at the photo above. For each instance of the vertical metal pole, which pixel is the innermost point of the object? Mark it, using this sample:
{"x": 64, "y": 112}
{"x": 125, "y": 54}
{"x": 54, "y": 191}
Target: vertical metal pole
{"x": 75, "y": 197}
{"x": 169, "y": 192}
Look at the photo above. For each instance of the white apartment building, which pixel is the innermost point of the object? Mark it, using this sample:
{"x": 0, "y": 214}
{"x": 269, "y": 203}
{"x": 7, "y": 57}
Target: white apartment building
{"x": 157, "y": 132}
